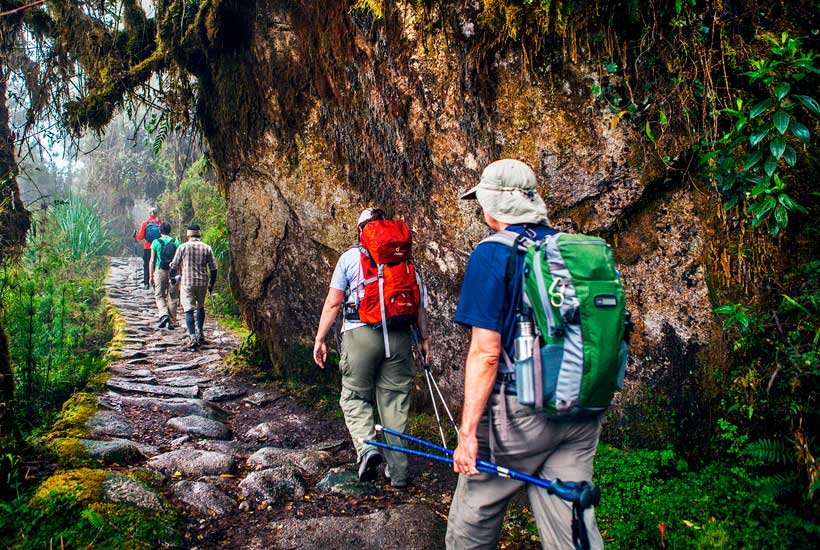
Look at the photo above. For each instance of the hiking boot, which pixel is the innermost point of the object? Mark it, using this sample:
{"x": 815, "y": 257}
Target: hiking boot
{"x": 394, "y": 483}
{"x": 164, "y": 321}
{"x": 200, "y": 338}
{"x": 170, "y": 325}
{"x": 193, "y": 345}
{"x": 369, "y": 466}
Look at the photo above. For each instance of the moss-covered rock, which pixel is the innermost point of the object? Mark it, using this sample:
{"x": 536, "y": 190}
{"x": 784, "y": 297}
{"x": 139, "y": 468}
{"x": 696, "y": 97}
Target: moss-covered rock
{"x": 70, "y": 508}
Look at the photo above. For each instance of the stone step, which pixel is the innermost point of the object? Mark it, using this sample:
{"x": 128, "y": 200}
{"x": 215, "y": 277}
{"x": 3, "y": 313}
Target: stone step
{"x": 198, "y": 425}
{"x": 178, "y": 406}
{"x": 152, "y": 389}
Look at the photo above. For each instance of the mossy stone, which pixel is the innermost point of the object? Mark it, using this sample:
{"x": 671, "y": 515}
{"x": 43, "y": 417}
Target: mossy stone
{"x": 346, "y": 483}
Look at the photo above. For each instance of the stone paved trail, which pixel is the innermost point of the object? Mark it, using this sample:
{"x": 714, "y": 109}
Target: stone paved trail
{"x": 246, "y": 466}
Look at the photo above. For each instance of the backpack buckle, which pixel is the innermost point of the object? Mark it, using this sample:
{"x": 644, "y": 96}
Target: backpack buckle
{"x": 557, "y": 295}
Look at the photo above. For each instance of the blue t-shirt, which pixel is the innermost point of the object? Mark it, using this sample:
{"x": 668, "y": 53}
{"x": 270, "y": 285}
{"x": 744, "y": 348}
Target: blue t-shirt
{"x": 489, "y": 298}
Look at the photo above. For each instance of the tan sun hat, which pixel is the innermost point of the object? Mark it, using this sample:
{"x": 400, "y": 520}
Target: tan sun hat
{"x": 507, "y": 192}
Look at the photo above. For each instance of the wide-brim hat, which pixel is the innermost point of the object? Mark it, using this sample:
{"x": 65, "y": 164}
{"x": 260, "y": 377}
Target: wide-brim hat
{"x": 507, "y": 192}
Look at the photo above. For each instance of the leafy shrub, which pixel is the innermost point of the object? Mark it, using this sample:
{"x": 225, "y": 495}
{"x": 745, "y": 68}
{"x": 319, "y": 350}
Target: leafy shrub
{"x": 199, "y": 200}
{"x": 650, "y": 499}
{"x": 748, "y": 163}
{"x": 53, "y": 311}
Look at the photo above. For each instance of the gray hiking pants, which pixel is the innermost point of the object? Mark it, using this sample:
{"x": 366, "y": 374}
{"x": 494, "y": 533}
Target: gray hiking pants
{"x": 534, "y": 445}
{"x": 368, "y": 377}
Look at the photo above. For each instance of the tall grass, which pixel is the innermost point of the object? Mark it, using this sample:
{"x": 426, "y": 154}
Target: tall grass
{"x": 79, "y": 228}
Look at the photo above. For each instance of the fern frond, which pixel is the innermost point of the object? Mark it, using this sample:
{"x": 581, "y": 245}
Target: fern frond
{"x": 770, "y": 451}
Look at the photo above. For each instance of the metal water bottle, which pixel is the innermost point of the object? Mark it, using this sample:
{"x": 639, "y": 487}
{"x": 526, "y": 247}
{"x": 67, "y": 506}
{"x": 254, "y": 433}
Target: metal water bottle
{"x": 524, "y": 375}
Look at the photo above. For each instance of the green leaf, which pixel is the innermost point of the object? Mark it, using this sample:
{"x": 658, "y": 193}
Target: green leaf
{"x": 708, "y": 156}
{"x": 800, "y": 131}
{"x": 781, "y": 121}
{"x": 752, "y": 159}
{"x": 759, "y": 189}
{"x": 678, "y": 6}
{"x": 788, "y": 203}
{"x": 770, "y": 166}
{"x": 726, "y": 310}
{"x": 762, "y": 209}
{"x": 731, "y": 203}
{"x": 777, "y": 146}
{"x": 758, "y": 136}
{"x": 741, "y": 124}
{"x": 781, "y": 216}
{"x": 758, "y": 109}
{"x": 662, "y": 119}
{"x": 809, "y": 103}
{"x": 649, "y": 133}
{"x": 782, "y": 90}
{"x": 790, "y": 155}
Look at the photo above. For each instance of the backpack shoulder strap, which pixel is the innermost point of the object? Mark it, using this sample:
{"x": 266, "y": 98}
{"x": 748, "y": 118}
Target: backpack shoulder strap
{"x": 509, "y": 238}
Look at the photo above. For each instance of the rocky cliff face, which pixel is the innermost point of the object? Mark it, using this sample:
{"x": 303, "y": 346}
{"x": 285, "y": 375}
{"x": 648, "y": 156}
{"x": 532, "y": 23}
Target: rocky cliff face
{"x": 313, "y": 112}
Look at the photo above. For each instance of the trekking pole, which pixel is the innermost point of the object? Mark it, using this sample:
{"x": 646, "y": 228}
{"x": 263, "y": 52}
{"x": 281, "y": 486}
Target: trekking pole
{"x": 431, "y": 383}
{"x": 583, "y": 493}
{"x": 216, "y": 321}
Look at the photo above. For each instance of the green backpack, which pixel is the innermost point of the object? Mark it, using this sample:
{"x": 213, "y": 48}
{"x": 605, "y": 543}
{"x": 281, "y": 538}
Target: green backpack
{"x": 575, "y": 297}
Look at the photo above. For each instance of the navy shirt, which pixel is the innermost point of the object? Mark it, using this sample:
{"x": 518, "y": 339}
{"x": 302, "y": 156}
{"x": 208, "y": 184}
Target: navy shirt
{"x": 488, "y": 298}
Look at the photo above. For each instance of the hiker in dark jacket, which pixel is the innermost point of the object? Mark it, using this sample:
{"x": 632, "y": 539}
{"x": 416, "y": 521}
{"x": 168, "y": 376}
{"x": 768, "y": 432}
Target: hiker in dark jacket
{"x": 166, "y": 295}
{"x": 196, "y": 265}
{"x": 148, "y": 231}
{"x": 527, "y": 441}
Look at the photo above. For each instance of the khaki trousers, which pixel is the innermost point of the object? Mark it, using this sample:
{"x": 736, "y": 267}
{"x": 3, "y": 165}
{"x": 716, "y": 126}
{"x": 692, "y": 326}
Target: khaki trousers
{"x": 368, "y": 376}
{"x": 193, "y": 297}
{"x": 166, "y": 295}
{"x": 535, "y": 445}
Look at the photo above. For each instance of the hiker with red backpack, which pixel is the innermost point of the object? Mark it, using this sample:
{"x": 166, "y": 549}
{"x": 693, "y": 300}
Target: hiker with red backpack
{"x": 148, "y": 232}
{"x": 376, "y": 286}
{"x": 166, "y": 294}
{"x": 547, "y": 353}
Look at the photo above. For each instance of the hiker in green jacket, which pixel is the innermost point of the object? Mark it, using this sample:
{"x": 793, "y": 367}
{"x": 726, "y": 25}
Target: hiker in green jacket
{"x": 166, "y": 294}
{"x": 492, "y": 418}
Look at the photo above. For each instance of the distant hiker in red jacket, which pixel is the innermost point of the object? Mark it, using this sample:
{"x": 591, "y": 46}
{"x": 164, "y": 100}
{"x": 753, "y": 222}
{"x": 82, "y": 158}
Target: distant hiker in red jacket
{"x": 148, "y": 232}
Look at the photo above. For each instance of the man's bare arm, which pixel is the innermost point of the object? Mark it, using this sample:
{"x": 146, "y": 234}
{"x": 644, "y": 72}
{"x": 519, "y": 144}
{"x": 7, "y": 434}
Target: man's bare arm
{"x": 479, "y": 376}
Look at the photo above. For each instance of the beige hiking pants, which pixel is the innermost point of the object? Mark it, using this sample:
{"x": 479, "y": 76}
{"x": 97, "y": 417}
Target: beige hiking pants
{"x": 193, "y": 297}
{"x": 368, "y": 376}
{"x": 166, "y": 295}
{"x": 534, "y": 445}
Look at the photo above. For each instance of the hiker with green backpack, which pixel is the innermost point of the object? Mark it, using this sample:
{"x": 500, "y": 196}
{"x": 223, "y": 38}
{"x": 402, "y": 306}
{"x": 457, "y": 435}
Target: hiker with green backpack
{"x": 547, "y": 352}
{"x": 166, "y": 294}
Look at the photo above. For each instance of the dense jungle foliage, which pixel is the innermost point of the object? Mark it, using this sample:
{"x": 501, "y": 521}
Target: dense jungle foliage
{"x": 725, "y": 96}
{"x": 53, "y": 308}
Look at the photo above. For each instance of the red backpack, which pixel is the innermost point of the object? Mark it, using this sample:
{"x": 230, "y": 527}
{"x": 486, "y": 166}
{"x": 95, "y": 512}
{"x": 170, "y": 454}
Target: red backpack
{"x": 390, "y": 287}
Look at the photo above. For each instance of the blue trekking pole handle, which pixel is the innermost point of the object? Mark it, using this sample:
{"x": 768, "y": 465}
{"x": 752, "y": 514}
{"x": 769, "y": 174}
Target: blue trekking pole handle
{"x": 585, "y": 494}
{"x": 422, "y": 454}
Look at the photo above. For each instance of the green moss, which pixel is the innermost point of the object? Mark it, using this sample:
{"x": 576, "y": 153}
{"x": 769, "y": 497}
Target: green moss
{"x": 80, "y": 486}
{"x": 372, "y": 7}
{"x": 62, "y": 441}
{"x": 75, "y": 413}
{"x": 69, "y": 509}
